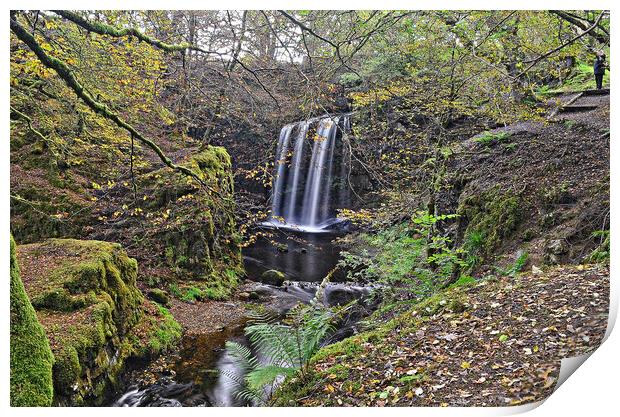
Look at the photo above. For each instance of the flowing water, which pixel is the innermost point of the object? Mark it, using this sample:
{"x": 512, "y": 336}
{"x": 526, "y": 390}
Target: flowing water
{"x": 197, "y": 375}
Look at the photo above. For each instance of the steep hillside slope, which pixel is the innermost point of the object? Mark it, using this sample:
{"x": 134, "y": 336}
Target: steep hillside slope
{"x": 536, "y": 187}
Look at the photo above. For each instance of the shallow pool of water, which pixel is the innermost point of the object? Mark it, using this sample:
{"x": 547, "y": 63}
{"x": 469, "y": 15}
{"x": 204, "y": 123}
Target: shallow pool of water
{"x": 301, "y": 256}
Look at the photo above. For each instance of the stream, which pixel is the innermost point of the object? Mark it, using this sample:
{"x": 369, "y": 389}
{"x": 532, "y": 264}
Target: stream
{"x": 197, "y": 375}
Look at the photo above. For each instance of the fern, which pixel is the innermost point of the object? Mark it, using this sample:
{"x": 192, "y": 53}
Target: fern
{"x": 288, "y": 347}
{"x": 516, "y": 267}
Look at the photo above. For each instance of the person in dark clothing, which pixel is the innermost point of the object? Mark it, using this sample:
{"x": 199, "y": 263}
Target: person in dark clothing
{"x": 599, "y": 69}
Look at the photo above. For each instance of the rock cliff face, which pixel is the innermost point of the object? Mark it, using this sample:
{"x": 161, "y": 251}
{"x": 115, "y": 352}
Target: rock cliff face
{"x": 86, "y": 299}
{"x": 195, "y": 225}
{"x": 31, "y": 357}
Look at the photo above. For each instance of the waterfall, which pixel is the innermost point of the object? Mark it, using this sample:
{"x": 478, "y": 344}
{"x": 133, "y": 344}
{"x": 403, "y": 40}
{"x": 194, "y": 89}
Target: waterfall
{"x": 281, "y": 155}
{"x": 296, "y": 167}
{"x": 302, "y": 195}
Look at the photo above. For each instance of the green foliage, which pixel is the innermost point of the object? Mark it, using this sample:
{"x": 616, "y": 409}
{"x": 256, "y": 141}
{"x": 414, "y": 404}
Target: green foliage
{"x": 492, "y": 216}
{"x": 601, "y": 253}
{"x": 288, "y": 347}
{"x": 31, "y": 357}
{"x": 410, "y": 258}
{"x": 192, "y": 294}
{"x": 489, "y": 138}
{"x": 167, "y": 332}
{"x": 441, "y": 256}
{"x": 473, "y": 245}
{"x": 350, "y": 79}
{"x": 175, "y": 290}
{"x": 516, "y": 267}
{"x": 464, "y": 280}
{"x": 395, "y": 261}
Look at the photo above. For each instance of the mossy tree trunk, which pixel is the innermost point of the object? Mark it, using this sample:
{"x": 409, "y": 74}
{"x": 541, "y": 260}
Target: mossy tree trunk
{"x": 31, "y": 356}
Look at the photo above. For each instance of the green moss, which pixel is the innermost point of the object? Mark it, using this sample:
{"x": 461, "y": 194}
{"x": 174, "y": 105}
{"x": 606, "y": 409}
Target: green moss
{"x": 200, "y": 240}
{"x": 61, "y": 300}
{"x": 489, "y": 138}
{"x": 67, "y": 368}
{"x": 83, "y": 272}
{"x": 216, "y": 289}
{"x": 31, "y": 357}
{"x": 601, "y": 253}
{"x": 273, "y": 277}
{"x": 192, "y": 294}
{"x": 159, "y": 296}
{"x": 167, "y": 333}
{"x": 88, "y": 302}
{"x": 492, "y": 216}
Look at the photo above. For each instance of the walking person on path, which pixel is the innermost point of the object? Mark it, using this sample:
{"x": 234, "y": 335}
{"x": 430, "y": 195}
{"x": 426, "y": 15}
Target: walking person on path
{"x": 599, "y": 69}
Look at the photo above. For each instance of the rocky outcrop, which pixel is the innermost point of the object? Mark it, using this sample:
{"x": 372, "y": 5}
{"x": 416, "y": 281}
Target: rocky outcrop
{"x": 86, "y": 298}
{"x": 31, "y": 357}
{"x": 193, "y": 226}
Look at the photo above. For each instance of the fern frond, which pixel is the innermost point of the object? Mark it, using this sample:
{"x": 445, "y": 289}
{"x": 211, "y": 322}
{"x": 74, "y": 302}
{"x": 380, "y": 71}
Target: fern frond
{"x": 275, "y": 341}
{"x": 242, "y": 354}
{"x": 239, "y": 381}
{"x": 249, "y": 395}
{"x": 287, "y": 347}
{"x": 266, "y": 375}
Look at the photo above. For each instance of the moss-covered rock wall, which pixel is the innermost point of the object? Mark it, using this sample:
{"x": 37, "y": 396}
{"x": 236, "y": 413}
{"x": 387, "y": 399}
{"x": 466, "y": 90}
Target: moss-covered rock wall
{"x": 194, "y": 228}
{"x": 31, "y": 357}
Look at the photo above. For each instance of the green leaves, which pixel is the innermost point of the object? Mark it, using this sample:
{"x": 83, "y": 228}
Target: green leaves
{"x": 266, "y": 375}
{"x": 287, "y": 347}
{"x": 489, "y": 138}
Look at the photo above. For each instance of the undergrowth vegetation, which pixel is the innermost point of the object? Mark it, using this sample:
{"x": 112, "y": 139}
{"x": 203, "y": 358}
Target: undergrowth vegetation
{"x": 409, "y": 258}
{"x": 278, "y": 349}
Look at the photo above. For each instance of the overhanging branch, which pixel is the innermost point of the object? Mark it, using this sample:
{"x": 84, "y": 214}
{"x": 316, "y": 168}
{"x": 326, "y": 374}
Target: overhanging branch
{"x": 105, "y": 29}
{"x": 65, "y": 73}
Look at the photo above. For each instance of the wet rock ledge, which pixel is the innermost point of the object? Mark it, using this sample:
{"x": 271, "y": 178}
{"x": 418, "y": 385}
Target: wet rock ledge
{"x": 96, "y": 319}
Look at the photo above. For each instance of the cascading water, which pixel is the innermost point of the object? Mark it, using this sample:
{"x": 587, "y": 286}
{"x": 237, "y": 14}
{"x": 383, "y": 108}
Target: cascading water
{"x": 303, "y": 190}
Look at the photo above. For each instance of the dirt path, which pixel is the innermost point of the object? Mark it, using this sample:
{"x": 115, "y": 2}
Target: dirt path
{"x": 207, "y": 317}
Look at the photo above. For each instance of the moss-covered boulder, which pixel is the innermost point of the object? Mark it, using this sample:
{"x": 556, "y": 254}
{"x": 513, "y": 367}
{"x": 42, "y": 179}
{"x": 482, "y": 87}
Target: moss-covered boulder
{"x": 86, "y": 298}
{"x": 31, "y": 357}
{"x": 159, "y": 296}
{"x": 273, "y": 277}
{"x": 490, "y": 217}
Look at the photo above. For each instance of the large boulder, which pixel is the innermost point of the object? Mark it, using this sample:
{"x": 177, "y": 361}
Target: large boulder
{"x": 31, "y": 357}
{"x": 86, "y": 299}
{"x": 159, "y": 296}
{"x": 273, "y": 277}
